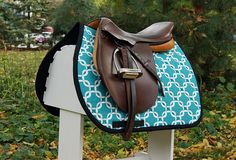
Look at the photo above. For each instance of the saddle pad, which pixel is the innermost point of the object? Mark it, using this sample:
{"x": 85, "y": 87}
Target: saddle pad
{"x": 179, "y": 108}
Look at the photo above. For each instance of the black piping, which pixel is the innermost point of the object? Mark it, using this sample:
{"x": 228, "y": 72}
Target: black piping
{"x": 42, "y": 73}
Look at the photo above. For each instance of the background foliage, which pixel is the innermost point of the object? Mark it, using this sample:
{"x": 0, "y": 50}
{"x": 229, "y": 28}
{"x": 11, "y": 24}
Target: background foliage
{"x": 17, "y": 18}
{"x": 203, "y": 28}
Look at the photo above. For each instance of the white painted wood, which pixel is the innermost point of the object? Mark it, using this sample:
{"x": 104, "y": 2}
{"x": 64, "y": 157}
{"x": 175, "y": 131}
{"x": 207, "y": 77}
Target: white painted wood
{"x": 138, "y": 156}
{"x": 61, "y": 93}
{"x": 70, "y": 136}
{"x": 60, "y": 86}
{"x": 161, "y": 145}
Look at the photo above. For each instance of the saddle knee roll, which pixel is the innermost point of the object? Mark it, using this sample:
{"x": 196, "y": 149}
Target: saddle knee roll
{"x": 163, "y": 47}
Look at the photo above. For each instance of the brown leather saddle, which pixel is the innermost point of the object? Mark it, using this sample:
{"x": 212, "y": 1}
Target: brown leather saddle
{"x": 125, "y": 63}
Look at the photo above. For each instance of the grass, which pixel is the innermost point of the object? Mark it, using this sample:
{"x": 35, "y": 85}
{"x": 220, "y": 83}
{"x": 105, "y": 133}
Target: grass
{"x": 27, "y": 131}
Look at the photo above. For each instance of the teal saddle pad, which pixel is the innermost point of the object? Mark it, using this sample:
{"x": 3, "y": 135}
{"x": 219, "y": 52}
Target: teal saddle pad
{"x": 179, "y": 108}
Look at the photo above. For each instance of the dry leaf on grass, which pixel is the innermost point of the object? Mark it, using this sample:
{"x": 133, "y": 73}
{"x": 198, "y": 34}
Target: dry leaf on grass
{"x": 2, "y": 115}
{"x": 1, "y": 149}
{"x": 184, "y": 138}
{"x": 13, "y": 148}
{"x": 53, "y": 145}
{"x": 38, "y": 116}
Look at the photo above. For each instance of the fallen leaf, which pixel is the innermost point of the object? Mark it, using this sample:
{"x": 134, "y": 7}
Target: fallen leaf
{"x": 12, "y": 149}
{"x": 40, "y": 142}
{"x": 200, "y": 19}
{"x": 219, "y": 145}
{"x": 212, "y": 113}
{"x": 141, "y": 142}
{"x": 9, "y": 152}
{"x": 206, "y": 143}
{"x": 184, "y": 138}
{"x": 190, "y": 33}
{"x": 198, "y": 147}
{"x": 204, "y": 35}
{"x": 38, "y": 116}
{"x": 208, "y": 158}
{"x": 29, "y": 144}
{"x": 53, "y": 145}
{"x": 91, "y": 155}
{"x": 2, "y": 115}
{"x": 206, "y": 119}
{"x": 122, "y": 153}
{"x": 1, "y": 149}
{"x": 233, "y": 121}
{"x": 212, "y": 140}
{"x": 48, "y": 154}
{"x": 106, "y": 158}
{"x": 224, "y": 116}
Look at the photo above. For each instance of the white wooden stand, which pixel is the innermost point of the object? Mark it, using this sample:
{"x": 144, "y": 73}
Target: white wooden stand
{"x": 61, "y": 93}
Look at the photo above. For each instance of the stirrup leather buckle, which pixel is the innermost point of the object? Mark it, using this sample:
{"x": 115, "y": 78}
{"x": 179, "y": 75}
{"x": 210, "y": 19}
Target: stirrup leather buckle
{"x": 126, "y": 73}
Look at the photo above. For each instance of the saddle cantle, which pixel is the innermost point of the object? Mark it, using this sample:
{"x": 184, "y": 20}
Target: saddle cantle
{"x": 126, "y": 65}
{"x": 128, "y": 81}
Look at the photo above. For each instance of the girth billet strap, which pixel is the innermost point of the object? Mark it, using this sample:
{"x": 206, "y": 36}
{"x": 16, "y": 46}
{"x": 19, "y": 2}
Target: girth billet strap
{"x": 146, "y": 65}
{"x": 128, "y": 70}
{"x": 128, "y": 63}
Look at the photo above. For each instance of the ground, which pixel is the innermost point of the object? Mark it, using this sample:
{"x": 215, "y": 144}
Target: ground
{"x": 27, "y": 131}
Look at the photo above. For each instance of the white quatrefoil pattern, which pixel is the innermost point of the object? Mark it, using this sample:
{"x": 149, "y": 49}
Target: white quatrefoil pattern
{"x": 181, "y": 106}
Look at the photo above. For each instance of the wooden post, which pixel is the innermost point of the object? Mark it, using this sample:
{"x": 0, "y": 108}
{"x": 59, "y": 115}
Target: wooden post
{"x": 161, "y": 145}
{"x": 61, "y": 93}
{"x": 70, "y": 136}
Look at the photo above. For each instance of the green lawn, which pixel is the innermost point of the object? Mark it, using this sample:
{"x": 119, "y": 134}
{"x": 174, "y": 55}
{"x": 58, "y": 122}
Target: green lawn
{"x": 27, "y": 131}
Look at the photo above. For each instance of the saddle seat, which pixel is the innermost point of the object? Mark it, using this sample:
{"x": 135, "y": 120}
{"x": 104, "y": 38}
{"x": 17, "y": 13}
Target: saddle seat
{"x": 156, "y": 33}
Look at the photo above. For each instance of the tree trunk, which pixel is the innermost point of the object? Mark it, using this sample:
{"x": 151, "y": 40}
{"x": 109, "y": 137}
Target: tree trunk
{"x": 4, "y": 45}
{"x": 28, "y": 17}
{"x": 164, "y": 6}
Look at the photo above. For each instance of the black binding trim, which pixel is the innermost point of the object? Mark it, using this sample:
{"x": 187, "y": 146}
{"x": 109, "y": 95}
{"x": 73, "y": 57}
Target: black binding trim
{"x": 118, "y": 124}
{"x": 104, "y": 128}
{"x": 42, "y": 74}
